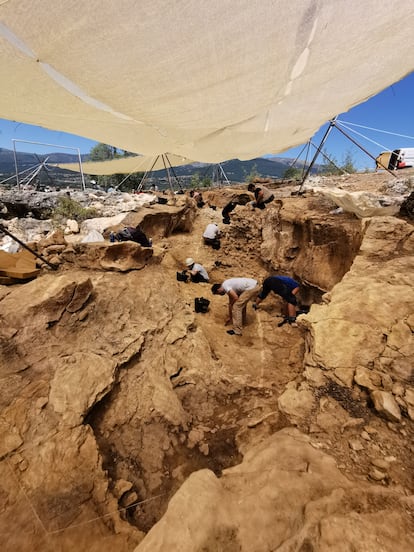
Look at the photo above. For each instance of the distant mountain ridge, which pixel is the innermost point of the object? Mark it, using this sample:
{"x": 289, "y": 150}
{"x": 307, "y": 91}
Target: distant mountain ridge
{"x": 234, "y": 169}
{"x": 28, "y": 160}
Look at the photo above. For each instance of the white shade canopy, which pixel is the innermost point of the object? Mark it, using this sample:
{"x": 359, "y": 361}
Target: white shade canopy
{"x": 206, "y": 80}
{"x": 123, "y": 165}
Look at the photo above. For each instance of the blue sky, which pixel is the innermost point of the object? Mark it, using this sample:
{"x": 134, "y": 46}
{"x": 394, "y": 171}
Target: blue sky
{"x": 391, "y": 110}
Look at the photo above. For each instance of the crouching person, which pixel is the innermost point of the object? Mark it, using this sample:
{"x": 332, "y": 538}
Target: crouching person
{"x": 211, "y": 235}
{"x": 262, "y": 196}
{"x": 196, "y": 271}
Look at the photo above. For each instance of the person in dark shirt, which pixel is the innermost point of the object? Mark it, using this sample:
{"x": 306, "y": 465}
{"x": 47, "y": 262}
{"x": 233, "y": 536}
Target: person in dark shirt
{"x": 227, "y": 209}
{"x": 238, "y": 199}
{"x": 285, "y": 287}
{"x": 261, "y": 194}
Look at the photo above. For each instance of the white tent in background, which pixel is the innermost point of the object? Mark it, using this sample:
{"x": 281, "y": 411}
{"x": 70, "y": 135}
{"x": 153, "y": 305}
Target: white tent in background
{"x": 127, "y": 165}
{"x": 222, "y": 80}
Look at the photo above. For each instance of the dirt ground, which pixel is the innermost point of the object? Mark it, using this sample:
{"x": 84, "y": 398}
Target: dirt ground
{"x": 255, "y": 370}
{"x": 187, "y": 395}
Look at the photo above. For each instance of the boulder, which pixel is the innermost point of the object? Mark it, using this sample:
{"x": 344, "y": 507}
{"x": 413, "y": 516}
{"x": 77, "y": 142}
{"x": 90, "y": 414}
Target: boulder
{"x": 285, "y": 495}
{"x": 386, "y": 406}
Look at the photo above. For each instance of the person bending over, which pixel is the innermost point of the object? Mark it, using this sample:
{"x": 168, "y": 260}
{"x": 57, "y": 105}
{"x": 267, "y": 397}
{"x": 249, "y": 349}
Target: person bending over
{"x": 227, "y": 209}
{"x": 240, "y": 291}
{"x": 285, "y": 287}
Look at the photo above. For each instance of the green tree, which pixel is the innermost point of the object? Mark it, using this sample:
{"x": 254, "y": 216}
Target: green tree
{"x": 195, "y": 180}
{"x": 292, "y": 172}
{"x": 114, "y": 180}
{"x": 249, "y": 178}
{"x": 69, "y": 208}
{"x": 101, "y": 152}
{"x": 330, "y": 165}
{"x": 206, "y": 182}
{"x": 348, "y": 163}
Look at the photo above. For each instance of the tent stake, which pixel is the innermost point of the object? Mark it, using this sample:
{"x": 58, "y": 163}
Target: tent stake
{"x": 3, "y": 229}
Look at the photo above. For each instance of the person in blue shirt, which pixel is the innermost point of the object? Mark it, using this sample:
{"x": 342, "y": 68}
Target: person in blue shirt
{"x": 285, "y": 287}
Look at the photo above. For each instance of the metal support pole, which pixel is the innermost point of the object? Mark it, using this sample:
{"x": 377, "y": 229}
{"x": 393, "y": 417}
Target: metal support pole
{"x": 14, "y": 140}
{"x": 14, "y": 176}
{"x": 174, "y": 173}
{"x": 81, "y": 170}
{"x": 168, "y": 174}
{"x": 330, "y": 160}
{"x": 43, "y": 166}
{"x": 318, "y": 151}
{"x": 15, "y": 165}
{"x": 363, "y": 149}
{"x": 3, "y": 229}
{"x": 300, "y": 153}
{"x": 306, "y": 157}
{"x": 35, "y": 173}
{"x": 224, "y": 174}
{"x": 141, "y": 184}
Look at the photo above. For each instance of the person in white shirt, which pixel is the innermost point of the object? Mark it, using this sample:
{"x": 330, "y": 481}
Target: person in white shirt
{"x": 240, "y": 291}
{"x": 197, "y": 272}
{"x": 211, "y": 235}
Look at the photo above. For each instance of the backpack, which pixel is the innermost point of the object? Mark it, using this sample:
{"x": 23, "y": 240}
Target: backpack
{"x": 201, "y": 304}
{"x": 124, "y": 235}
{"x": 182, "y": 276}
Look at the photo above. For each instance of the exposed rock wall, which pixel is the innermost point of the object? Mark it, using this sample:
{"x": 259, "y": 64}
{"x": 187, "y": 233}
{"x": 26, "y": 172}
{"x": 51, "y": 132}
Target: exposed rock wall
{"x": 317, "y": 248}
{"x": 69, "y": 341}
{"x": 364, "y": 330}
{"x": 52, "y": 376}
{"x": 299, "y": 237}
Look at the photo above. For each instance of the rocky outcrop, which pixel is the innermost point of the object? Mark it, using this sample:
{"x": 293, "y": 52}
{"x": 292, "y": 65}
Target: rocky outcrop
{"x": 407, "y": 207}
{"x": 114, "y": 391}
{"x": 319, "y": 250}
{"x": 120, "y": 257}
{"x": 20, "y": 203}
{"x": 366, "y": 323}
{"x": 285, "y": 495}
{"x": 52, "y": 467}
{"x": 58, "y": 371}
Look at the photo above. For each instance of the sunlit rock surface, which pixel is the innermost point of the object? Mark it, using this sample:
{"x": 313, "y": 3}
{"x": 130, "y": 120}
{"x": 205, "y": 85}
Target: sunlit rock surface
{"x": 124, "y": 412}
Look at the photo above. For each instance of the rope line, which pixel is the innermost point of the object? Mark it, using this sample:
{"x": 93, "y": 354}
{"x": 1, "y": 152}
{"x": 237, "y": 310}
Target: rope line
{"x": 56, "y": 531}
{"x": 365, "y": 137}
{"x": 106, "y": 515}
{"x": 377, "y": 130}
{"x": 26, "y": 497}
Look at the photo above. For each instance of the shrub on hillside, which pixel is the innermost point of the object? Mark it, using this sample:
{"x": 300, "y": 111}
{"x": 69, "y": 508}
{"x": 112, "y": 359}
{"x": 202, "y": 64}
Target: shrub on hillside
{"x": 68, "y": 208}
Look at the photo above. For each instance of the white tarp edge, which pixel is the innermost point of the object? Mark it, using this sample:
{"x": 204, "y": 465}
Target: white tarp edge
{"x": 127, "y": 165}
{"x": 362, "y": 204}
{"x": 208, "y": 81}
